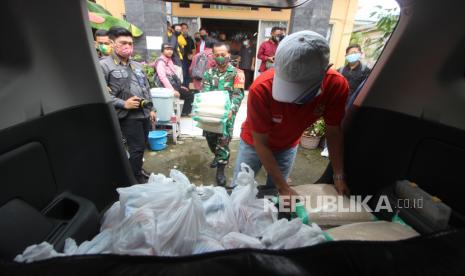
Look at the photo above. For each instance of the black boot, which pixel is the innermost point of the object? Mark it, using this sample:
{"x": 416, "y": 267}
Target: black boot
{"x": 220, "y": 177}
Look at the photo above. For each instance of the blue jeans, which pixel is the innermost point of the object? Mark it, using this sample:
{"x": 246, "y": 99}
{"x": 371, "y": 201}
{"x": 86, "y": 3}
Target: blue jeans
{"x": 248, "y": 155}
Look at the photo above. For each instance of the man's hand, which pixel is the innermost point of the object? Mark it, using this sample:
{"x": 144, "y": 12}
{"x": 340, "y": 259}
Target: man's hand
{"x": 153, "y": 116}
{"x": 177, "y": 94}
{"x": 341, "y": 187}
{"x": 189, "y": 56}
{"x": 230, "y": 115}
{"x": 132, "y": 103}
{"x": 287, "y": 191}
{"x": 271, "y": 59}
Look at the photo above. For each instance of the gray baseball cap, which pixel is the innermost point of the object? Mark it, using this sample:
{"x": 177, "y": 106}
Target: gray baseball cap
{"x": 301, "y": 62}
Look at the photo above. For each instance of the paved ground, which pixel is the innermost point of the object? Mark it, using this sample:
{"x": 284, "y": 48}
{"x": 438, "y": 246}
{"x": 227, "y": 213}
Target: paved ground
{"x": 192, "y": 157}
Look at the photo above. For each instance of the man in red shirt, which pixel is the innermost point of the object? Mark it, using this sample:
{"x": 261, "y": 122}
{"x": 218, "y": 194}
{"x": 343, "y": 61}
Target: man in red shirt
{"x": 267, "y": 50}
{"x": 284, "y": 101}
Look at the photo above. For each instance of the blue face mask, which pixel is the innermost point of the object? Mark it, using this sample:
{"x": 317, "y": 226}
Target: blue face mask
{"x": 353, "y": 57}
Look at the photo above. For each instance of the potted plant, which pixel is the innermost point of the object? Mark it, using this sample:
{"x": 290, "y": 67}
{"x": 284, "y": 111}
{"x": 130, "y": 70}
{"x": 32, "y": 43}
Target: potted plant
{"x": 312, "y": 135}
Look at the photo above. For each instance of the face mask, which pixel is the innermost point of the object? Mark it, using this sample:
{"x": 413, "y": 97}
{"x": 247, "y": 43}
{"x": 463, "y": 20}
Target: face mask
{"x": 104, "y": 49}
{"x": 177, "y": 33}
{"x": 204, "y": 37}
{"x": 277, "y": 38}
{"x": 197, "y": 39}
{"x": 124, "y": 51}
{"x": 246, "y": 43}
{"x": 221, "y": 61}
{"x": 309, "y": 94}
{"x": 353, "y": 57}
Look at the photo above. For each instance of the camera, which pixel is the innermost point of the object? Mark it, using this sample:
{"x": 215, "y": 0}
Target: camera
{"x": 145, "y": 103}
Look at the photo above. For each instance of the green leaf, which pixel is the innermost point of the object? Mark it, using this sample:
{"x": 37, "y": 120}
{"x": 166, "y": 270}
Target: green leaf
{"x": 111, "y": 21}
{"x": 94, "y": 7}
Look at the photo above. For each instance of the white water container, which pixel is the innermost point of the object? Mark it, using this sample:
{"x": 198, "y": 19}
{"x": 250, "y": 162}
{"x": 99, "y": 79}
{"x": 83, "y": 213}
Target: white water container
{"x": 163, "y": 100}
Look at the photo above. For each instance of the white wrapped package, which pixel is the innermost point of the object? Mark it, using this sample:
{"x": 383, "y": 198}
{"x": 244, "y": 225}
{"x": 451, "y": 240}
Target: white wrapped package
{"x": 212, "y": 100}
{"x": 238, "y": 240}
{"x": 253, "y": 215}
{"x": 372, "y": 231}
{"x": 218, "y": 211}
{"x": 323, "y": 213}
{"x": 215, "y": 128}
{"x": 212, "y": 112}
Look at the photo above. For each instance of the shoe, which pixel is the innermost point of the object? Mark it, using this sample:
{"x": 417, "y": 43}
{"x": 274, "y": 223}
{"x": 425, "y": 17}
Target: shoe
{"x": 325, "y": 152}
{"x": 144, "y": 173}
{"x": 214, "y": 163}
{"x": 220, "y": 177}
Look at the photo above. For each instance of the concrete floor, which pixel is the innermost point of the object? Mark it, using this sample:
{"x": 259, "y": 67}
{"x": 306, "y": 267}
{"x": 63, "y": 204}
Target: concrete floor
{"x": 192, "y": 157}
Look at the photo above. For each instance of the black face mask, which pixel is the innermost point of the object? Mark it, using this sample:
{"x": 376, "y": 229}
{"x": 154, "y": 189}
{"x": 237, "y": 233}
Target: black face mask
{"x": 197, "y": 39}
{"x": 277, "y": 38}
{"x": 177, "y": 33}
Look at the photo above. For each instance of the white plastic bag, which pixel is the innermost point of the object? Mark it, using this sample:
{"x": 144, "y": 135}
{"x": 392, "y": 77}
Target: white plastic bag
{"x": 372, "y": 231}
{"x": 111, "y": 217}
{"x": 323, "y": 213}
{"x": 275, "y": 235}
{"x": 98, "y": 245}
{"x": 218, "y": 211}
{"x": 136, "y": 235}
{"x": 37, "y": 252}
{"x": 306, "y": 236}
{"x": 237, "y": 240}
{"x": 179, "y": 229}
{"x": 159, "y": 194}
{"x": 253, "y": 215}
{"x": 207, "y": 244}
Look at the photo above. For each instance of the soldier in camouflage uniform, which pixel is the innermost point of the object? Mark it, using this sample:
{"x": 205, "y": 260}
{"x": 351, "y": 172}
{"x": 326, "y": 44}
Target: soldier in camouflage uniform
{"x": 223, "y": 77}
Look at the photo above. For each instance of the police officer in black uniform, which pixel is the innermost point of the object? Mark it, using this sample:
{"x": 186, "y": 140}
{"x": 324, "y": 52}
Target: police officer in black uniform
{"x": 130, "y": 93}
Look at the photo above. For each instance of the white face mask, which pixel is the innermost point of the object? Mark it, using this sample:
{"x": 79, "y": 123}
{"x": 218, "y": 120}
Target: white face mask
{"x": 246, "y": 43}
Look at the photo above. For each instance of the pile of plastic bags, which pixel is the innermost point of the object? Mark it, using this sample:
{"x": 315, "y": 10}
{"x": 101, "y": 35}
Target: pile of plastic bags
{"x": 211, "y": 110}
{"x": 169, "y": 216}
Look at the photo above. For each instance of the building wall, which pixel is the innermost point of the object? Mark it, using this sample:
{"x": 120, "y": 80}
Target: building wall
{"x": 313, "y": 15}
{"x": 115, "y": 7}
{"x": 150, "y": 16}
{"x": 196, "y": 10}
{"x": 342, "y": 21}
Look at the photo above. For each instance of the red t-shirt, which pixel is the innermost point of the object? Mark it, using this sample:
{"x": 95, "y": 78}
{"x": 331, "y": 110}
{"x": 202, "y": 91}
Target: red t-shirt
{"x": 285, "y": 122}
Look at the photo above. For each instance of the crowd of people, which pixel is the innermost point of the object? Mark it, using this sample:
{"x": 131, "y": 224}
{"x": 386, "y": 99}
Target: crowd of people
{"x": 296, "y": 86}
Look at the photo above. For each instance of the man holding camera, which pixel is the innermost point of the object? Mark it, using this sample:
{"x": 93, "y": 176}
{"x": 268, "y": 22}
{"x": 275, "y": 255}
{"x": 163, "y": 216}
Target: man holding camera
{"x": 130, "y": 93}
